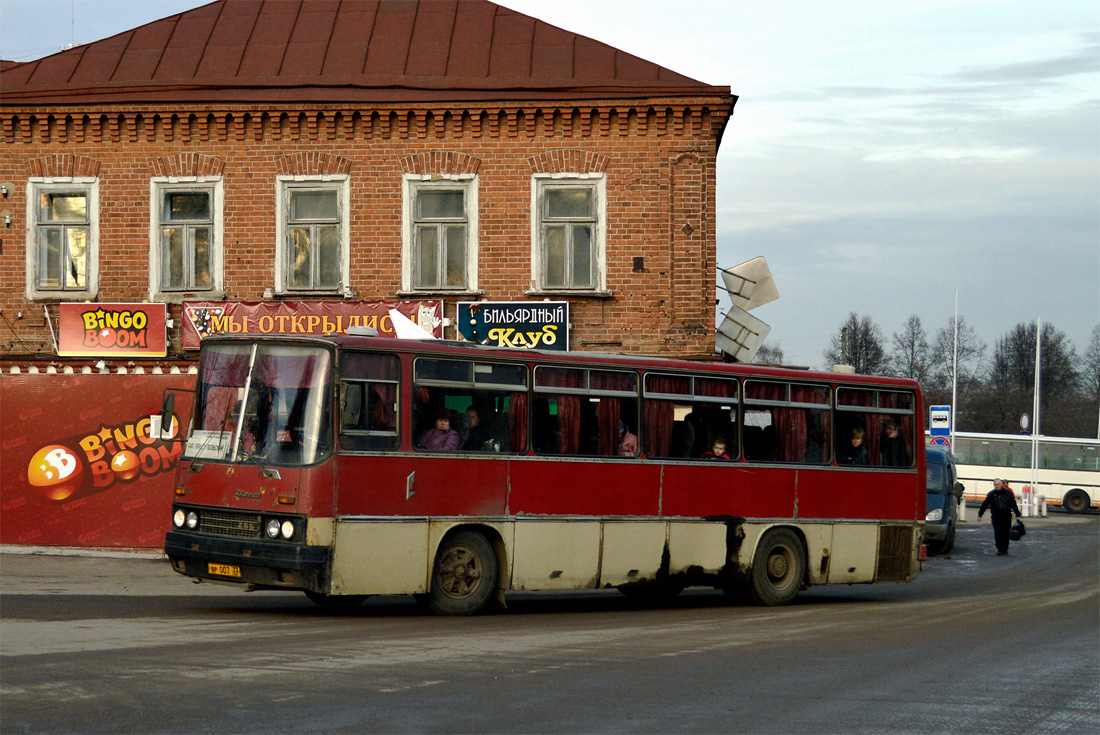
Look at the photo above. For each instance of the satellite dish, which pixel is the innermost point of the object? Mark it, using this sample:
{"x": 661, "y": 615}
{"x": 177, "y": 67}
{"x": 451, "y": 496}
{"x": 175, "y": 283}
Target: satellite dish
{"x": 406, "y": 328}
{"x": 740, "y": 335}
{"x": 750, "y": 284}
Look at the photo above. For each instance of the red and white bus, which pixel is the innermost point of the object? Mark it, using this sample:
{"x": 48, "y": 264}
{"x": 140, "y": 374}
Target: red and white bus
{"x": 350, "y": 466}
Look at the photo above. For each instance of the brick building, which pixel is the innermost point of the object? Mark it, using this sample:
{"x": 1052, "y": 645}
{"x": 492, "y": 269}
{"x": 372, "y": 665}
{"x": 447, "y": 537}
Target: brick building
{"x": 357, "y": 151}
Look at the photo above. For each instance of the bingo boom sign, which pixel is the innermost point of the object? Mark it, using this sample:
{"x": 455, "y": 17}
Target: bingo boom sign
{"x": 112, "y": 330}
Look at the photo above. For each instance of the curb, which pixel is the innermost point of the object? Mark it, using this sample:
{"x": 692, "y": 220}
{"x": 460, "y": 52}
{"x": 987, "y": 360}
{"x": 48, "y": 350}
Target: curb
{"x": 84, "y": 551}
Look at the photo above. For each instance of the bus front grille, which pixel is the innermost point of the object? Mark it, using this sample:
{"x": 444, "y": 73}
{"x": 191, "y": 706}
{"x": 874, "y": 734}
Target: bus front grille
{"x": 895, "y": 551}
{"x": 240, "y": 525}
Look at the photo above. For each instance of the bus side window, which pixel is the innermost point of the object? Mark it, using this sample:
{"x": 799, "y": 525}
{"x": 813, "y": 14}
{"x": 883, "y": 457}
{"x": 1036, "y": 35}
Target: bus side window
{"x": 586, "y": 412}
{"x": 885, "y": 421}
{"x": 684, "y": 414}
{"x": 797, "y": 424}
{"x": 484, "y": 405}
{"x": 368, "y": 401}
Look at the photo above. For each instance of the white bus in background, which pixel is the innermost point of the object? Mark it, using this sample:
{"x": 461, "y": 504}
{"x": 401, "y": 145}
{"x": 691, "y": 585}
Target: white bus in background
{"x": 1069, "y": 469}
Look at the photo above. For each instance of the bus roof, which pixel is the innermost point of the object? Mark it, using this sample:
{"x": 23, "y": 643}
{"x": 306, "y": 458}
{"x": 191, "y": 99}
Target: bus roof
{"x": 467, "y": 349}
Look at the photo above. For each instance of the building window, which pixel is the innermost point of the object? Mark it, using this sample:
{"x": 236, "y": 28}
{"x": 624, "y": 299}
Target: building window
{"x": 62, "y": 242}
{"x": 569, "y": 216}
{"x": 313, "y": 235}
{"x": 440, "y": 234}
{"x": 186, "y": 254}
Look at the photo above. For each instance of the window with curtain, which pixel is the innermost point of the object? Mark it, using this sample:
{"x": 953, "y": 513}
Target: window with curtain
{"x": 881, "y": 421}
{"x": 684, "y": 415}
{"x": 585, "y": 412}
{"x": 369, "y": 391}
{"x": 786, "y": 422}
{"x": 484, "y": 404}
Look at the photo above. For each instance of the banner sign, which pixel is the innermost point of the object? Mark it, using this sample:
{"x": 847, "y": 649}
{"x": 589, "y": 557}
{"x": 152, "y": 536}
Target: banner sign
{"x": 112, "y": 330}
{"x": 81, "y": 467}
{"x": 203, "y": 319}
{"x": 519, "y": 324}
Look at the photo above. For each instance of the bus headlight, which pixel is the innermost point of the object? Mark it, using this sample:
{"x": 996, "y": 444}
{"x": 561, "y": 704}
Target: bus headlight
{"x": 287, "y": 530}
{"x": 178, "y": 518}
{"x": 192, "y": 519}
{"x": 934, "y": 515}
{"x": 272, "y": 528}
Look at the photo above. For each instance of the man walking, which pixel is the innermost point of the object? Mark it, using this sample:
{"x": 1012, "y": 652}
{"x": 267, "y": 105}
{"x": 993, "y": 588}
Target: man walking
{"x": 1002, "y": 504}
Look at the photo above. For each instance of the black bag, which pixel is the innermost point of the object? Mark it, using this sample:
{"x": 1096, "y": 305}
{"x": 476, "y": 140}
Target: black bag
{"x": 1017, "y": 531}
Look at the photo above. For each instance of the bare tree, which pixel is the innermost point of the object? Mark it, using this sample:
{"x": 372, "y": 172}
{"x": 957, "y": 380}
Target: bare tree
{"x": 970, "y": 355}
{"x": 769, "y": 354}
{"x": 858, "y": 343}
{"x": 912, "y": 355}
{"x": 1090, "y": 381}
{"x": 1012, "y": 381}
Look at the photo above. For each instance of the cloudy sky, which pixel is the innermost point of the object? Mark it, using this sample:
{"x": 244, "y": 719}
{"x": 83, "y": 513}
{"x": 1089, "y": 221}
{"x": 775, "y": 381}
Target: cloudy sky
{"x": 881, "y": 154}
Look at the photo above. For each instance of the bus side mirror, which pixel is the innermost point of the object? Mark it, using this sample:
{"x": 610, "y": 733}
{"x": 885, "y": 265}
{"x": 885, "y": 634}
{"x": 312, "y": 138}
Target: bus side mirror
{"x": 160, "y": 424}
{"x": 351, "y": 402}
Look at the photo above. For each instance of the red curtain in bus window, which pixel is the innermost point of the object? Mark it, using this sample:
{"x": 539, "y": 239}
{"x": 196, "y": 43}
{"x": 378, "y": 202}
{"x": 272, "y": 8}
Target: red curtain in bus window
{"x": 658, "y": 416}
{"x": 794, "y": 424}
{"x": 790, "y": 428}
{"x": 569, "y": 406}
{"x": 608, "y": 414}
{"x": 517, "y": 421}
{"x": 381, "y": 402}
{"x": 569, "y": 424}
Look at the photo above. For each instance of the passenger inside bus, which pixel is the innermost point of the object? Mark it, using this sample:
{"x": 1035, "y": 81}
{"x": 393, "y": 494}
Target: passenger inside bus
{"x": 479, "y": 437}
{"x": 894, "y": 451}
{"x": 856, "y": 451}
{"x": 717, "y": 450}
{"x": 628, "y": 442}
{"x": 441, "y": 437}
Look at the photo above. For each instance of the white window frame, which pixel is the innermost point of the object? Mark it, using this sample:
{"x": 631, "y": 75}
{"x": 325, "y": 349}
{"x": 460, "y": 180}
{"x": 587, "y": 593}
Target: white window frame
{"x": 599, "y": 183}
{"x": 411, "y": 184}
{"x": 283, "y": 185}
{"x": 88, "y": 184}
{"x": 158, "y": 186}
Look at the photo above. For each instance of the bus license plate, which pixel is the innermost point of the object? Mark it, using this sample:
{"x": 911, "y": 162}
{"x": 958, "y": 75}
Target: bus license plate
{"x": 225, "y": 570}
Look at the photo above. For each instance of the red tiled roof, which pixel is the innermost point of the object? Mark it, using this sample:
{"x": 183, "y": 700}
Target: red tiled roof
{"x": 342, "y": 51}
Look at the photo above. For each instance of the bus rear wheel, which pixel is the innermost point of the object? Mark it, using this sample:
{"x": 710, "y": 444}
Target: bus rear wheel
{"x": 464, "y": 576}
{"x": 1076, "y": 501}
{"x": 778, "y": 568}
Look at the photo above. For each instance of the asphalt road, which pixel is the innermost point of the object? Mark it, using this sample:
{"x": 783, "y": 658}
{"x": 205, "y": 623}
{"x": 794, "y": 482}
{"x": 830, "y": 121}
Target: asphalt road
{"x": 977, "y": 644}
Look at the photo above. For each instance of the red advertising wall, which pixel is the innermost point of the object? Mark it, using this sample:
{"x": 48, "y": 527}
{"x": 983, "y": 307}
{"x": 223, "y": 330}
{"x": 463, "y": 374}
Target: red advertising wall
{"x": 77, "y": 464}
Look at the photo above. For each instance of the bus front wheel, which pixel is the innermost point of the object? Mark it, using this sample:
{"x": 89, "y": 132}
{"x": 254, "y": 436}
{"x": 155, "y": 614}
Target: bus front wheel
{"x": 778, "y": 568}
{"x": 1076, "y": 501}
{"x": 464, "y": 576}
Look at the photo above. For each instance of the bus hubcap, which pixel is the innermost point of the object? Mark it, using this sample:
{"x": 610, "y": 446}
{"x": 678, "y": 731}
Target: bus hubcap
{"x": 777, "y": 566}
{"x": 459, "y": 572}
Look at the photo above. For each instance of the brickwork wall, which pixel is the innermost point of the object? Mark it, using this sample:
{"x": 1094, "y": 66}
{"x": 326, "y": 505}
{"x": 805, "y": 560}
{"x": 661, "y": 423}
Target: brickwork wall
{"x": 659, "y": 163}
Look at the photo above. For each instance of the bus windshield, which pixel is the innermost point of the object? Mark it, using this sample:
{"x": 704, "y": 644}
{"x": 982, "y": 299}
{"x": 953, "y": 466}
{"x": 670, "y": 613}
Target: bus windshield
{"x": 269, "y": 404}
